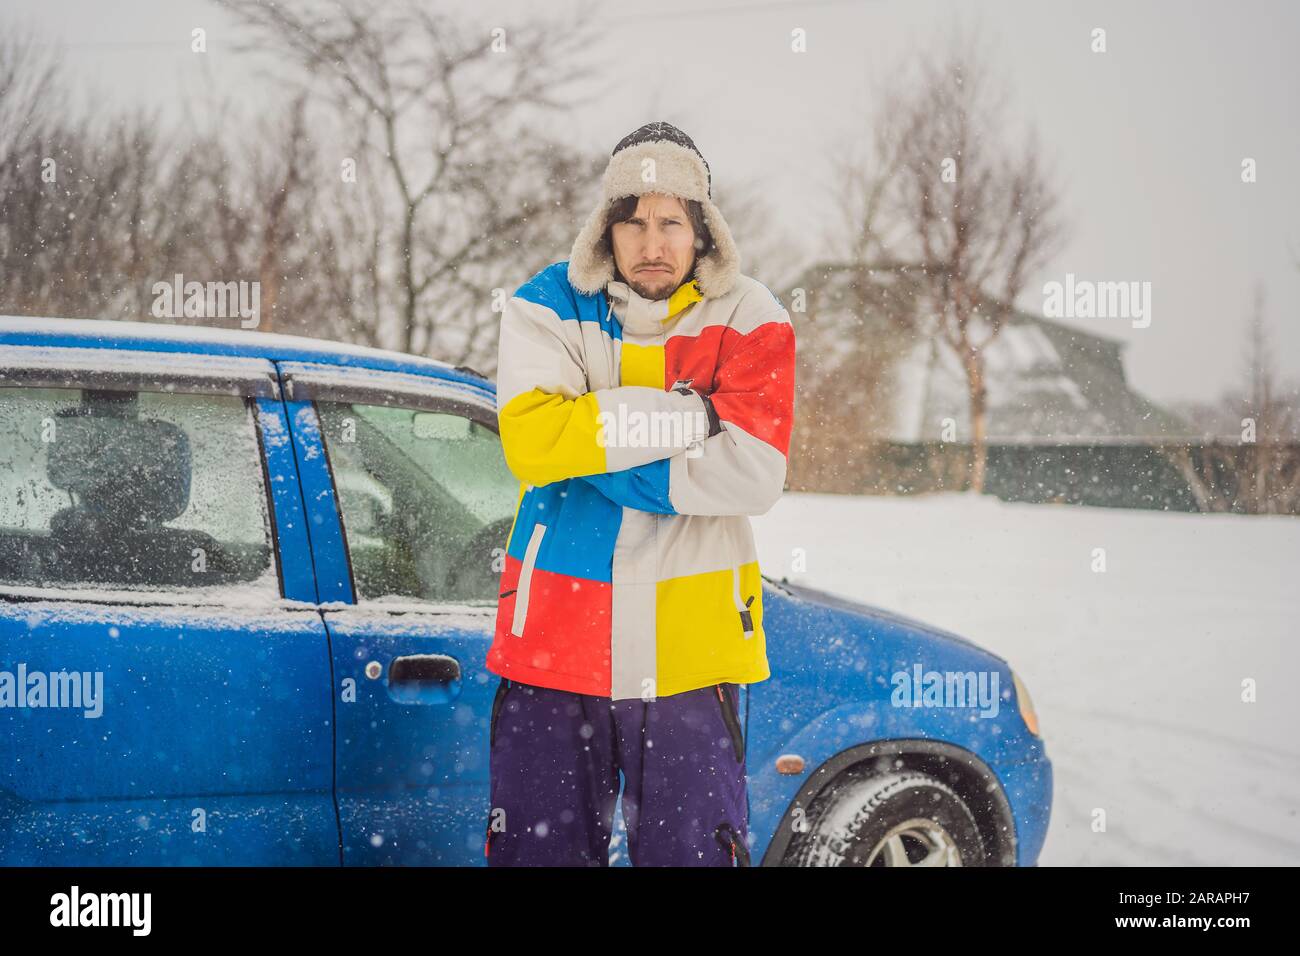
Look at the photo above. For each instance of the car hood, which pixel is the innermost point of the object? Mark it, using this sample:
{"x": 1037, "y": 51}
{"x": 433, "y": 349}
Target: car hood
{"x": 839, "y": 603}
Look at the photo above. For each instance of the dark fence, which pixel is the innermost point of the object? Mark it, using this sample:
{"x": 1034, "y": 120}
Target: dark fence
{"x": 1121, "y": 475}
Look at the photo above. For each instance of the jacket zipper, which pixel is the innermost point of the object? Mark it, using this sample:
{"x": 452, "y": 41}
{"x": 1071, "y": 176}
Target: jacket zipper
{"x": 526, "y": 580}
{"x": 727, "y": 836}
{"x": 497, "y": 701}
{"x": 732, "y": 720}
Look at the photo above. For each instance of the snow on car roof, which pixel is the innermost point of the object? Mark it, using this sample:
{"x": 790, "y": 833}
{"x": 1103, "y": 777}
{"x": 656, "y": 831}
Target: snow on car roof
{"x": 158, "y": 336}
{"x": 387, "y": 380}
{"x": 197, "y": 365}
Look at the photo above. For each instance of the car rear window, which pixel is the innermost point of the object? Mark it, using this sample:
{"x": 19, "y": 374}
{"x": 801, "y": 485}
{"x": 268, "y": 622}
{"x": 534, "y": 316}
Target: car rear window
{"x": 136, "y": 491}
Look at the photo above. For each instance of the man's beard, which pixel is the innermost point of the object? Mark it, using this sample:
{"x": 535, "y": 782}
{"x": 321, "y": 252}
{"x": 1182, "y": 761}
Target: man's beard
{"x": 654, "y": 294}
{"x": 660, "y": 289}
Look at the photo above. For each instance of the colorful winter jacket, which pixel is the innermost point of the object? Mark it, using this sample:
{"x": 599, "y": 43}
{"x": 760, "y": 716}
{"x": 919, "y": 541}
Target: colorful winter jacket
{"x": 630, "y": 570}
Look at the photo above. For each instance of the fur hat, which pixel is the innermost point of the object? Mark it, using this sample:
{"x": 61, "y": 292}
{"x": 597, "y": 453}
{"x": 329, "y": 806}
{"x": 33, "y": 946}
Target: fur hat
{"x": 679, "y": 170}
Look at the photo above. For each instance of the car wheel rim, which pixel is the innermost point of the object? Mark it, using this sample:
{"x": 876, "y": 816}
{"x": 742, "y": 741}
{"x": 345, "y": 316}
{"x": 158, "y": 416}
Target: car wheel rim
{"x": 916, "y": 842}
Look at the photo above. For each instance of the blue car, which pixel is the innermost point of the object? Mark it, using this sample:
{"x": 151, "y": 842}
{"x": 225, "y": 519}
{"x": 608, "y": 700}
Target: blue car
{"x": 247, "y": 586}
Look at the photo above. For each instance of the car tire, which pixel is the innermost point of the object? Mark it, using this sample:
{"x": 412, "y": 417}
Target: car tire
{"x": 894, "y": 818}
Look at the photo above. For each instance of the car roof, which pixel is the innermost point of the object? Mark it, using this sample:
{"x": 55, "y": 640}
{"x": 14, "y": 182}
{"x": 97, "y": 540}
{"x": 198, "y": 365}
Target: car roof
{"x": 51, "y": 332}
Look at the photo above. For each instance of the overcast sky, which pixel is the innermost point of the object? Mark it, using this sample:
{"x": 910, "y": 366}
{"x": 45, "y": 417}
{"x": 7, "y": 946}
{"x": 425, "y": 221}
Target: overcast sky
{"x": 1148, "y": 137}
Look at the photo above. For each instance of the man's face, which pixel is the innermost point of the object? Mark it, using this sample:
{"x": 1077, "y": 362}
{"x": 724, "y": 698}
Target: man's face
{"x": 655, "y": 249}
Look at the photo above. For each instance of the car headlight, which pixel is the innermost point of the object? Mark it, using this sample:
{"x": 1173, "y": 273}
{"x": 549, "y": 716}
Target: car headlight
{"x": 1027, "y": 712}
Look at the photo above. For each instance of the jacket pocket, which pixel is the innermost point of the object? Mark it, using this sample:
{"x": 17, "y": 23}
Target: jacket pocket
{"x": 526, "y": 580}
{"x": 496, "y": 711}
{"x": 731, "y": 718}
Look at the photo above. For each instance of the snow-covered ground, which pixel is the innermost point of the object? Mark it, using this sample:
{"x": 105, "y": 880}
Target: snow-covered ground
{"x": 1136, "y": 672}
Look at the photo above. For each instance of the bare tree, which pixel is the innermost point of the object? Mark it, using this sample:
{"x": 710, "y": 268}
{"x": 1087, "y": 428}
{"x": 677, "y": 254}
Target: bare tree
{"x": 458, "y": 186}
{"x": 768, "y": 251}
{"x": 1248, "y": 458}
{"x": 854, "y": 327}
{"x": 31, "y": 96}
{"x": 96, "y": 209}
{"x": 954, "y": 204}
{"x": 71, "y": 193}
{"x": 1259, "y": 471}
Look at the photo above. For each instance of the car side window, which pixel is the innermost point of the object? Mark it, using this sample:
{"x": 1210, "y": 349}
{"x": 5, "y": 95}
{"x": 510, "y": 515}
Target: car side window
{"x": 426, "y": 500}
{"x": 105, "y": 490}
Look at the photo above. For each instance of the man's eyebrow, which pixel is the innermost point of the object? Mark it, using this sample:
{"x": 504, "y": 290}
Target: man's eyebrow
{"x": 668, "y": 215}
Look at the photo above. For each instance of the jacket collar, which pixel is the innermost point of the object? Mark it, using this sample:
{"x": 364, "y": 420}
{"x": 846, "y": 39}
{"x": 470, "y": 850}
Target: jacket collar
{"x": 642, "y": 316}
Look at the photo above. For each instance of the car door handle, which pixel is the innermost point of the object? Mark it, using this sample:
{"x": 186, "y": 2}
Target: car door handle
{"x": 421, "y": 669}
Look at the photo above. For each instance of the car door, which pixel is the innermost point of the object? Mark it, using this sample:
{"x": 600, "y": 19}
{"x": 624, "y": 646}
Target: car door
{"x": 164, "y": 672}
{"x": 410, "y": 504}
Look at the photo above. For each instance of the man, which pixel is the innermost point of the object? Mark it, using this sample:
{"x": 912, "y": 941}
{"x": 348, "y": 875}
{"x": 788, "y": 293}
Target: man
{"x": 645, "y": 396}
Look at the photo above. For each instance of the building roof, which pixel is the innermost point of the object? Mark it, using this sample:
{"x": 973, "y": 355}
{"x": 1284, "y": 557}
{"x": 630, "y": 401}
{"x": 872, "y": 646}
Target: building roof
{"x": 1046, "y": 381}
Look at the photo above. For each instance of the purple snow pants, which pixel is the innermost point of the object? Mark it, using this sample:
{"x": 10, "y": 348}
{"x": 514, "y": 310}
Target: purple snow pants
{"x": 555, "y": 762}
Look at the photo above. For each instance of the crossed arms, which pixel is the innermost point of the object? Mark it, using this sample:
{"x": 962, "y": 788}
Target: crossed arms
{"x": 551, "y": 426}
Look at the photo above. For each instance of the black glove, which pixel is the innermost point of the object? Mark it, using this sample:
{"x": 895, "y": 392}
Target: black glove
{"x": 715, "y": 424}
